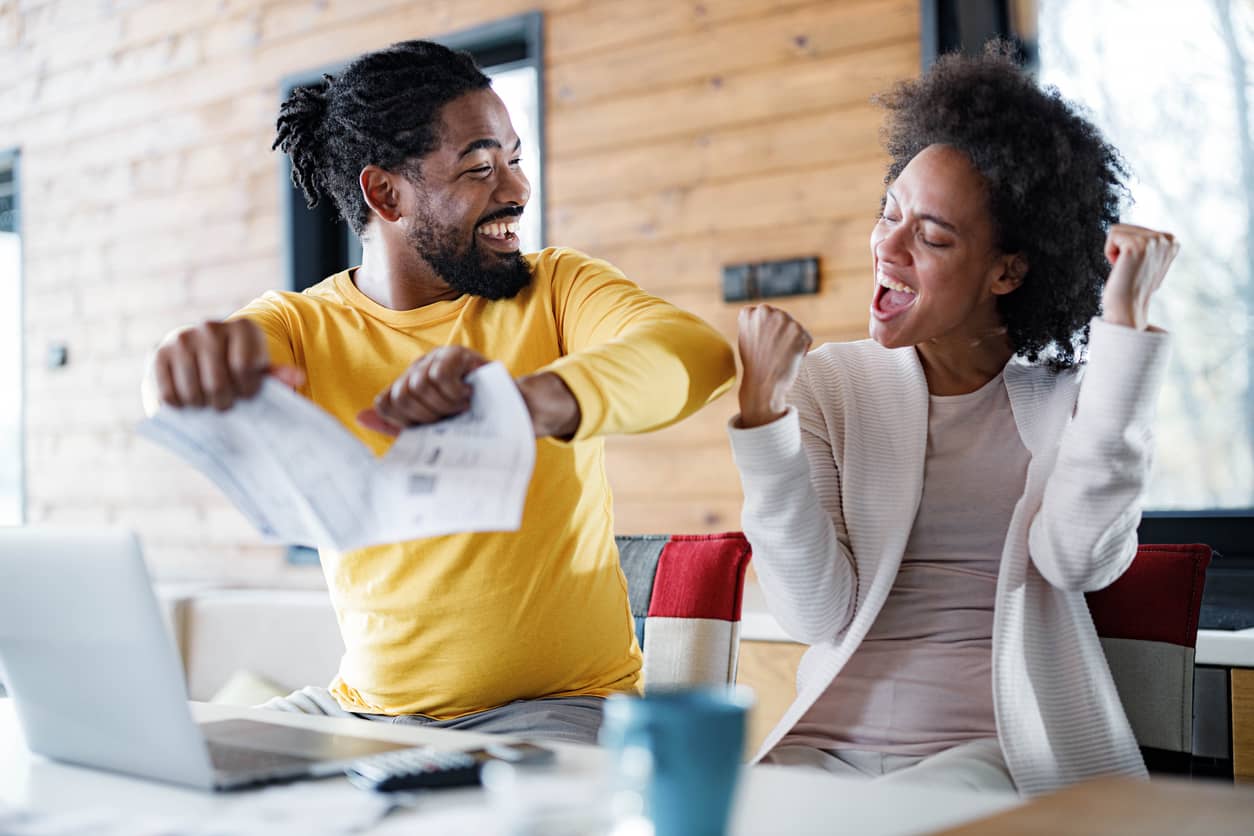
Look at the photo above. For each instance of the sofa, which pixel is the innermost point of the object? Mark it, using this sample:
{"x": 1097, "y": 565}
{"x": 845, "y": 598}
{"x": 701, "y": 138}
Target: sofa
{"x": 243, "y": 646}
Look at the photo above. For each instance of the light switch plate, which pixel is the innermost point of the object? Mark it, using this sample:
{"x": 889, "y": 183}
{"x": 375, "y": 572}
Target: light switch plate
{"x": 766, "y": 279}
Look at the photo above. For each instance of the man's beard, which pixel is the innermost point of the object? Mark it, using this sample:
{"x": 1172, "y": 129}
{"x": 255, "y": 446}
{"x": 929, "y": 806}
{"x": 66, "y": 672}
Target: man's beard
{"x": 475, "y": 271}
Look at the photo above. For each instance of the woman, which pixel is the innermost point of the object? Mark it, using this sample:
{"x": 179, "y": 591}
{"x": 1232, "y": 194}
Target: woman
{"x": 928, "y": 507}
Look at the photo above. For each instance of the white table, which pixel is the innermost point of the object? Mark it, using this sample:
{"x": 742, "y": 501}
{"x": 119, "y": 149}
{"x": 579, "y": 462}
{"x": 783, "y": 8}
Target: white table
{"x": 1226, "y": 648}
{"x": 771, "y": 800}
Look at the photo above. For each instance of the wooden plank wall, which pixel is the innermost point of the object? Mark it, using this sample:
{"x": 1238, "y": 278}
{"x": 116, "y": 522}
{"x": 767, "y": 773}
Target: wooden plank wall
{"x": 682, "y": 135}
{"x": 680, "y": 142}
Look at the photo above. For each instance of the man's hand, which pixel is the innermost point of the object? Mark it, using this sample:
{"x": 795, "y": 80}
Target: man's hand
{"x": 1139, "y": 258}
{"x": 215, "y": 364}
{"x": 772, "y": 345}
{"x": 434, "y": 387}
{"x": 554, "y": 410}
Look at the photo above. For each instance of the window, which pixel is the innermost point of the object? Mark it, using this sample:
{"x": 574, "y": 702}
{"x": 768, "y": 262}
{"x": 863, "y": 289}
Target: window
{"x": 1169, "y": 85}
{"x": 518, "y": 85}
{"x": 509, "y": 51}
{"x": 11, "y": 448}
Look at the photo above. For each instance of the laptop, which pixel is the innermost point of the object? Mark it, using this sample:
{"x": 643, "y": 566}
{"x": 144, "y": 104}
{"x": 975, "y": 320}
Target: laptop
{"x": 96, "y": 680}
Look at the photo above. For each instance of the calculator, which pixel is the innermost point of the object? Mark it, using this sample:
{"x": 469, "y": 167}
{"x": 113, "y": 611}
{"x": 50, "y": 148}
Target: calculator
{"x": 415, "y": 769}
{"x": 412, "y": 769}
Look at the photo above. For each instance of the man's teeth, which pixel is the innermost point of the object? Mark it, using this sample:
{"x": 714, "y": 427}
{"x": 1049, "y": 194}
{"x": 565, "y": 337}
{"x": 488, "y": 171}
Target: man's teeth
{"x": 895, "y": 285}
{"x": 499, "y": 230}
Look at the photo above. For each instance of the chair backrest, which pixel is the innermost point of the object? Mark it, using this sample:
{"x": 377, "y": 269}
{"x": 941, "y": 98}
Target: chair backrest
{"x": 1147, "y": 622}
{"x": 686, "y": 592}
{"x": 286, "y": 637}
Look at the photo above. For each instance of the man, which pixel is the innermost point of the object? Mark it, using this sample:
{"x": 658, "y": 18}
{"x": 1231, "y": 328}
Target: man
{"x": 507, "y": 632}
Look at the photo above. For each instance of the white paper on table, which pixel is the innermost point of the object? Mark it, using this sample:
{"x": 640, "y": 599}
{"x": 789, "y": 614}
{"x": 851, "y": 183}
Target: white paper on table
{"x": 98, "y": 822}
{"x": 303, "y": 809}
{"x": 300, "y": 477}
{"x": 324, "y": 808}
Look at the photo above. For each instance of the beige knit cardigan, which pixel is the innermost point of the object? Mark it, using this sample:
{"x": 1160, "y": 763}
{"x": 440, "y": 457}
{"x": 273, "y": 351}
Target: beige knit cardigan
{"x": 831, "y": 493}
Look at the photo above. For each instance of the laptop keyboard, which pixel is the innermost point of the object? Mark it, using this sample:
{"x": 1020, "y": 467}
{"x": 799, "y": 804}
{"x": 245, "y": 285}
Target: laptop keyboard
{"x": 227, "y": 758}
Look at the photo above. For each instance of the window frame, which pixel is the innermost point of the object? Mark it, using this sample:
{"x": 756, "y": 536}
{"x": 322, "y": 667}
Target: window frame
{"x": 11, "y": 159}
{"x": 960, "y": 25}
{"x": 1230, "y": 532}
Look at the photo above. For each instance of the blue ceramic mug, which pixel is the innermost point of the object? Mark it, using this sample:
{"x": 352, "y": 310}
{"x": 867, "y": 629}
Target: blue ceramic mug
{"x": 692, "y": 742}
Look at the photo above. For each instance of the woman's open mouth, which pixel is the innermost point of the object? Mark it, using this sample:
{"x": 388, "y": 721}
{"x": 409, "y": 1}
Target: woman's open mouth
{"x": 892, "y": 298}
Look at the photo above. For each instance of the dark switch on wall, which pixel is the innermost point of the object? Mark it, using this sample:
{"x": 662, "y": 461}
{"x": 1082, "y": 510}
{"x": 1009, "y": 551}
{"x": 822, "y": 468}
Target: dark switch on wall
{"x": 739, "y": 282}
{"x": 789, "y": 277}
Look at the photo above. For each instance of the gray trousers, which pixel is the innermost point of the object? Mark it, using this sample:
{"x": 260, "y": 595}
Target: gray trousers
{"x": 978, "y": 765}
{"x": 564, "y": 719}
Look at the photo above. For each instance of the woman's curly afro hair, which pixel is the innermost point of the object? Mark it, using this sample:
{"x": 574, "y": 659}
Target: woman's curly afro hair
{"x": 1054, "y": 186}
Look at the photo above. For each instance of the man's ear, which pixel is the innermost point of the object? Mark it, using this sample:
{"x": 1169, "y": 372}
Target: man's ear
{"x": 1014, "y": 269}
{"x": 379, "y": 189}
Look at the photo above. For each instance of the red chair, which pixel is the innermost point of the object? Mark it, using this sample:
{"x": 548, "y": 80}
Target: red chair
{"x": 686, "y": 592}
{"x": 1147, "y": 622}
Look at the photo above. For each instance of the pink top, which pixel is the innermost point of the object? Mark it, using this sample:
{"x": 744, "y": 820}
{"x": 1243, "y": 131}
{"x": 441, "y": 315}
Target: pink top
{"x": 921, "y": 680}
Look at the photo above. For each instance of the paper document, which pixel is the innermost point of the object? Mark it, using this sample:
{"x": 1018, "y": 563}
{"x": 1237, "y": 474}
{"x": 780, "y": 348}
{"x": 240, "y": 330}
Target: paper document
{"x": 302, "y": 478}
{"x": 326, "y": 808}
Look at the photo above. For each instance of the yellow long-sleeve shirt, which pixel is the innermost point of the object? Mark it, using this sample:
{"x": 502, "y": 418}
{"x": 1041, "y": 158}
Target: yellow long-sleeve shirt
{"x": 447, "y": 626}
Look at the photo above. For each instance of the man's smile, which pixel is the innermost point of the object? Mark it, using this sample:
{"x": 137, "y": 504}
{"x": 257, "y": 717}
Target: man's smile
{"x": 500, "y": 235}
